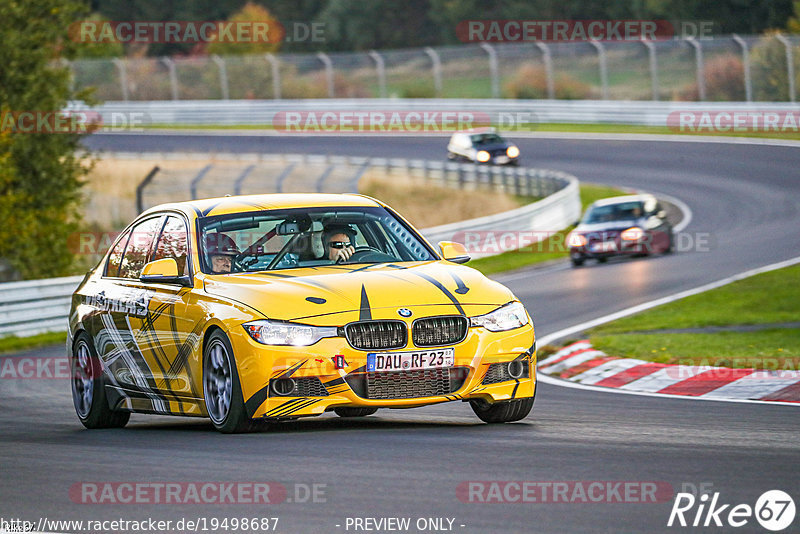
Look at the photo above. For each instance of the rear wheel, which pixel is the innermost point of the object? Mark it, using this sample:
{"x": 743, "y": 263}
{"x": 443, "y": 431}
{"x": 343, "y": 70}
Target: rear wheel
{"x": 502, "y": 412}
{"x": 88, "y": 390}
{"x": 576, "y": 262}
{"x": 354, "y": 412}
{"x": 221, "y": 388}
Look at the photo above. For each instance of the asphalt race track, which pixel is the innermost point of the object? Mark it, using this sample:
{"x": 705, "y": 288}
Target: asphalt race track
{"x": 745, "y": 203}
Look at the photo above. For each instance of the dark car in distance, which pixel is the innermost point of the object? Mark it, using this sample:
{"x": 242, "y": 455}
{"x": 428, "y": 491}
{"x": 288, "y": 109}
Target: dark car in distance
{"x": 632, "y": 225}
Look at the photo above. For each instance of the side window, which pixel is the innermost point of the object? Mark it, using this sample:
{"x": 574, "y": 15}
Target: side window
{"x": 138, "y": 248}
{"x": 115, "y": 258}
{"x": 172, "y": 243}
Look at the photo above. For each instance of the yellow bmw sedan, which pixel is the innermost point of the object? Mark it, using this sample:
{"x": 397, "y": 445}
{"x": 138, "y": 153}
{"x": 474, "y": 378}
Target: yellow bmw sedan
{"x": 264, "y": 308}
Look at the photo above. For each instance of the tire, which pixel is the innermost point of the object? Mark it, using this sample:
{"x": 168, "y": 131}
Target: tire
{"x": 602, "y": 260}
{"x": 451, "y": 156}
{"x": 671, "y": 247}
{"x": 88, "y": 387}
{"x": 576, "y": 262}
{"x": 354, "y": 412}
{"x": 502, "y": 412}
{"x": 222, "y": 391}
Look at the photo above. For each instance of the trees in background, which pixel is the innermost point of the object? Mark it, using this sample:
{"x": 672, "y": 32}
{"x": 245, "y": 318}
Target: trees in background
{"x": 379, "y": 24}
{"x": 40, "y": 173}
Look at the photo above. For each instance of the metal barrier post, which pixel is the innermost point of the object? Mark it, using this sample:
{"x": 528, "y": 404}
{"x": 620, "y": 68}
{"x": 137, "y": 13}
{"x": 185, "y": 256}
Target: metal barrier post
{"x": 547, "y": 58}
{"x": 276, "y": 76}
{"x": 223, "y": 76}
{"x": 322, "y": 56}
{"x": 237, "y": 187}
{"x": 789, "y": 64}
{"x": 196, "y": 180}
{"x": 493, "y": 74}
{"x": 142, "y": 185}
{"x": 380, "y": 66}
{"x": 123, "y": 77}
{"x": 436, "y": 65}
{"x": 701, "y": 77}
{"x": 651, "y": 52}
{"x": 748, "y": 86}
{"x": 601, "y": 60}
{"x": 173, "y": 76}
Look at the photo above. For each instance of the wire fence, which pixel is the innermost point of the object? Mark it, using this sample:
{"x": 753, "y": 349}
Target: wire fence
{"x": 307, "y": 173}
{"x": 730, "y": 68}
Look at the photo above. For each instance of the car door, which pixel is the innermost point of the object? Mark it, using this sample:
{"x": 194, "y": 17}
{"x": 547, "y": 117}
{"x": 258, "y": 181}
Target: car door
{"x": 168, "y": 334}
{"x": 122, "y": 304}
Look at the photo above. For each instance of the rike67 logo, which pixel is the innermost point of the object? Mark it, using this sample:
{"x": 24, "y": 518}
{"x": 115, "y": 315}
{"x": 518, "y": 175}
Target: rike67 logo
{"x": 774, "y": 510}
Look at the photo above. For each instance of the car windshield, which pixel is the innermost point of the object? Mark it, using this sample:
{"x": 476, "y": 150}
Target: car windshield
{"x": 486, "y": 139}
{"x": 623, "y": 211}
{"x": 289, "y": 238}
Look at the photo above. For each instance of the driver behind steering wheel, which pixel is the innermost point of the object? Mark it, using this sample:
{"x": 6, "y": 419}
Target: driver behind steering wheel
{"x": 220, "y": 251}
{"x": 338, "y": 241}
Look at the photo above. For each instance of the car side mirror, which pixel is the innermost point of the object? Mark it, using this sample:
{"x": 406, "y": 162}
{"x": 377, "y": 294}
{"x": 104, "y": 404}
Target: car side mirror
{"x": 164, "y": 271}
{"x": 455, "y": 252}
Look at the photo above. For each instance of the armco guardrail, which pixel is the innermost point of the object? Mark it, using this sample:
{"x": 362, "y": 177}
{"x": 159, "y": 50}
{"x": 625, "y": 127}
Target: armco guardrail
{"x": 36, "y": 306}
{"x": 295, "y": 173}
{"x": 507, "y": 115}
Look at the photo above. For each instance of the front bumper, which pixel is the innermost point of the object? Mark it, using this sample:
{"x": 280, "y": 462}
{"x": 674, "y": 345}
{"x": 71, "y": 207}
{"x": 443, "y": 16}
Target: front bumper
{"x": 324, "y": 387}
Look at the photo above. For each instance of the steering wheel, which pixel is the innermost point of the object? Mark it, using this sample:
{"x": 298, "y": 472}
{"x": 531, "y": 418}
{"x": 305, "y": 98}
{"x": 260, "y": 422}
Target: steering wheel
{"x": 362, "y": 253}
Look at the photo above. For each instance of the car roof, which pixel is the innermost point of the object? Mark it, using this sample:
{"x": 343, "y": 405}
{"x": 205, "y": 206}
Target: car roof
{"x": 246, "y": 203}
{"x": 622, "y": 199}
{"x": 482, "y": 130}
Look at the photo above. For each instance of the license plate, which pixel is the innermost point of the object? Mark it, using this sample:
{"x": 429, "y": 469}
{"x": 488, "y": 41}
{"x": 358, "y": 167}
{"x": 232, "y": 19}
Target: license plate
{"x": 501, "y": 159}
{"x": 410, "y": 361}
{"x": 605, "y": 246}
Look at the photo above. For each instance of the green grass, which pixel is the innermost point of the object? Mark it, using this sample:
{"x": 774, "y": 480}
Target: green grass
{"x": 551, "y": 248}
{"x": 14, "y": 343}
{"x": 765, "y": 349}
{"x": 772, "y": 297}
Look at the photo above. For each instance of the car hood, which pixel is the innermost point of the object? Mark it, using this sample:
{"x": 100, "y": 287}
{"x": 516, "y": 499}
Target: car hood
{"x": 584, "y": 228}
{"x": 338, "y": 294}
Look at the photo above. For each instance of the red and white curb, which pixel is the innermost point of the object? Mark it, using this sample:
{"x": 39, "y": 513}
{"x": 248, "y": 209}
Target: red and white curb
{"x": 581, "y": 363}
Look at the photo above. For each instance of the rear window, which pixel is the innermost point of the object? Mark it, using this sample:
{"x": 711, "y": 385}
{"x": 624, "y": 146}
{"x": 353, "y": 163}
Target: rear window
{"x": 115, "y": 258}
{"x": 138, "y": 250}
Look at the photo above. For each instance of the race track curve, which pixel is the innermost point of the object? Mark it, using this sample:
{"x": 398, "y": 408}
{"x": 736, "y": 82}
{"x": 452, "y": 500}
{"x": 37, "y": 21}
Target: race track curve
{"x": 744, "y": 199}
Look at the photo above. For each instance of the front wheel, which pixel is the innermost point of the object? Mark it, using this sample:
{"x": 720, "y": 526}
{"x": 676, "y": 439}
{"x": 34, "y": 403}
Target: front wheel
{"x": 502, "y": 412}
{"x": 221, "y": 388}
{"x": 354, "y": 412}
{"x": 88, "y": 391}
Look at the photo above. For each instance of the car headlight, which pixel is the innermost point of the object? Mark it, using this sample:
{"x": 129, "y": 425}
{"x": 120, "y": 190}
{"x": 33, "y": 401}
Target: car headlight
{"x": 576, "y": 240}
{"x": 277, "y": 333}
{"x": 507, "y": 317}
{"x": 512, "y": 151}
{"x": 632, "y": 234}
{"x": 483, "y": 156}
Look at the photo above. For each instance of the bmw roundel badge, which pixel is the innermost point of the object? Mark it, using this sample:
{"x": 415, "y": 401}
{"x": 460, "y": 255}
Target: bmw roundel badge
{"x": 404, "y": 312}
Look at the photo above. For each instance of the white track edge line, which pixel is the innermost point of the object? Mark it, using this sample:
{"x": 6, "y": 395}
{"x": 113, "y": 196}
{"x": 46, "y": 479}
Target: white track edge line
{"x": 545, "y": 340}
{"x": 547, "y": 379}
